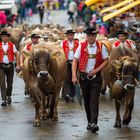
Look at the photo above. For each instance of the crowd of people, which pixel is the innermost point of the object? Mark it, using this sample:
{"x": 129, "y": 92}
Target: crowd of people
{"x": 82, "y": 50}
{"x": 81, "y": 14}
{"x": 89, "y": 56}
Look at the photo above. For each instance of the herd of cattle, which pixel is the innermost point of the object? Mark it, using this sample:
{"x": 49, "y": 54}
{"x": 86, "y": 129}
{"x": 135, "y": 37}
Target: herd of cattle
{"x": 44, "y": 71}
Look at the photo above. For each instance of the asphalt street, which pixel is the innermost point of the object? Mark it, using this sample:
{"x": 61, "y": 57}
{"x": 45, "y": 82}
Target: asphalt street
{"x": 16, "y": 120}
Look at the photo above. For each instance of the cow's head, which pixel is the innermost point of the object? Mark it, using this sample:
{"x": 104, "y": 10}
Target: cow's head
{"x": 129, "y": 73}
{"x": 40, "y": 61}
{"x": 41, "y": 57}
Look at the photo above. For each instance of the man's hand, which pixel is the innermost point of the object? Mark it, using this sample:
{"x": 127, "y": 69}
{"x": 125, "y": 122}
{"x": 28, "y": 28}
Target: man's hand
{"x": 18, "y": 69}
{"x": 74, "y": 80}
{"x": 92, "y": 72}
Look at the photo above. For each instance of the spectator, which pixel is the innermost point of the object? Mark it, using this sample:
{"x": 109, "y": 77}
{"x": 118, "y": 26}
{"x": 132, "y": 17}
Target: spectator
{"x": 41, "y": 9}
{"x": 72, "y": 9}
{"x": 87, "y": 16}
{"x": 3, "y": 19}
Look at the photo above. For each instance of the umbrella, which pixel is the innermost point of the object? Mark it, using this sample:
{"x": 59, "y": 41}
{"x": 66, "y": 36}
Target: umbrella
{"x": 78, "y": 94}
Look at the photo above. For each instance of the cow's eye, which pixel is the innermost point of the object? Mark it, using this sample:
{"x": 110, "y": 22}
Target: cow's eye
{"x": 35, "y": 60}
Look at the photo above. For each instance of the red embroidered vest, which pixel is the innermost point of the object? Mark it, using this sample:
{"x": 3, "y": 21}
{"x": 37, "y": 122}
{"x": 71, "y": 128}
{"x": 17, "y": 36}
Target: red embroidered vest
{"x": 84, "y": 56}
{"x": 129, "y": 42}
{"x": 9, "y": 53}
{"x": 66, "y": 47}
{"x": 29, "y": 46}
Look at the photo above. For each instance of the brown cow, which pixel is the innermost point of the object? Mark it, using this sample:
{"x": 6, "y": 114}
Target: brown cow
{"x": 44, "y": 73}
{"x": 120, "y": 75}
{"x": 124, "y": 91}
{"x": 109, "y": 71}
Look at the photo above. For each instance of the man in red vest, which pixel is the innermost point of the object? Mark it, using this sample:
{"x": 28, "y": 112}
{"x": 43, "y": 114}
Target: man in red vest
{"x": 123, "y": 41}
{"x": 90, "y": 58}
{"x": 69, "y": 46}
{"x": 34, "y": 41}
{"x": 7, "y": 53}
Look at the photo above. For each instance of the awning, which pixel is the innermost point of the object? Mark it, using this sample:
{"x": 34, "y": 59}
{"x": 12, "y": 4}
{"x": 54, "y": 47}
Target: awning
{"x": 121, "y": 10}
{"x": 7, "y": 2}
{"x": 91, "y": 2}
{"x": 6, "y": 6}
{"x": 123, "y": 3}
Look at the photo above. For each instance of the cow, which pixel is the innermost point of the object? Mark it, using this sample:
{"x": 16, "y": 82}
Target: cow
{"x": 44, "y": 72}
{"x": 109, "y": 72}
{"x": 120, "y": 76}
{"x": 124, "y": 91}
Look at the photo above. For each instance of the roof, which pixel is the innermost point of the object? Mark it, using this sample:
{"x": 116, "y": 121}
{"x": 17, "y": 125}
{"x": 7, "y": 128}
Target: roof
{"x": 6, "y": 4}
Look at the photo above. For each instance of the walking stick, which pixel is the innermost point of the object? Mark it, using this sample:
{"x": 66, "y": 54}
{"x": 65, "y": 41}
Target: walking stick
{"x": 78, "y": 94}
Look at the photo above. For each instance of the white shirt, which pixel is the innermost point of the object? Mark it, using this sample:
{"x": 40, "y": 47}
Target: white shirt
{"x": 5, "y": 47}
{"x": 25, "y": 47}
{"x": 72, "y": 7}
{"x": 124, "y": 44}
{"x": 91, "y": 50}
{"x": 71, "y": 52}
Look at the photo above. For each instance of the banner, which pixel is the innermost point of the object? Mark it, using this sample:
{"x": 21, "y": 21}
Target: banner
{"x": 121, "y": 10}
{"x": 116, "y": 6}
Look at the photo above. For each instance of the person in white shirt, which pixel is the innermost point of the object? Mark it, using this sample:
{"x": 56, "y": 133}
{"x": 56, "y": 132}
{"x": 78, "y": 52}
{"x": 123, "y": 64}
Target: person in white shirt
{"x": 72, "y": 8}
{"x": 90, "y": 58}
{"x": 27, "y": 48}
{"x": 8, "y": 53}
{"x": 123, "y": 41}
{"x": 69, "y": 46}
{"x": 80, "y": 35}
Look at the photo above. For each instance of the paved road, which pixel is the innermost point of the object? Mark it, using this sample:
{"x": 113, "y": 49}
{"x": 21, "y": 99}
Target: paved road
{"x": 16, "y": 119}
{"x": 57, "y": 17}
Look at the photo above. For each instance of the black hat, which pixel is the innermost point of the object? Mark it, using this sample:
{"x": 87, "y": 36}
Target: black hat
{"x": 70, "y": 31}
{"x": 35, "y": 36}
{"x": 122, "y": 32}
{"x": 5, "y": 33}
{"x": 90, "y": 31}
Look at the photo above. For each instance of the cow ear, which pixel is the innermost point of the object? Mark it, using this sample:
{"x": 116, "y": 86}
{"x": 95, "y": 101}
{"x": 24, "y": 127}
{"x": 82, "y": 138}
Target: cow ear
{"x": 55, "y": 54}
{"x": 123, "y": 58}
{"x": 26, "y": 53}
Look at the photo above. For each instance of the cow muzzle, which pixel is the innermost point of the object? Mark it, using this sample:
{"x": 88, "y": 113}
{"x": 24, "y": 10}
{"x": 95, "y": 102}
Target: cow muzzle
{"x": 129, "y": 87}
{"x": 43, "y": 74}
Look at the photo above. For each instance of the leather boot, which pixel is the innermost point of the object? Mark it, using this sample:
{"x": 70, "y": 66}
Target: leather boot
{"x": 9, "y": 100}
{"x": 3, "y": 103}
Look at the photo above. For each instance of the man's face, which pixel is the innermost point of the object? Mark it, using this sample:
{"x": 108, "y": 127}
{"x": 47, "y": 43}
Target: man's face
{"x": 5, "y": 38}
{"x": 34, "y": 40}
{"x": 122, "y": 37}
{"x": 91, "y": 38}
{"x": 70, "y": 36}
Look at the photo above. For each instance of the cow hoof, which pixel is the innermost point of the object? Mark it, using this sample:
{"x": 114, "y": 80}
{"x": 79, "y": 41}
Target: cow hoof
{"x": 117, "y": 125}
{"x": 126, "y": 121}
{"x": 55, "y": 118}
{"x": 103, "y": 92}
{"x": 36, "y": 124}
{"x": 49, "y": 116}
{"x": 44, "y": 118}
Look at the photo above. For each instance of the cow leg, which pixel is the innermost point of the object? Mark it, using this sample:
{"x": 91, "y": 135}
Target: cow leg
{"x": 50, "y": 106}
{"x": 54, "y": 103}
{"x": 128, "y": 111}
{"x": 37, "y": 121}
{"x": 53, "y": 109}
{"x": 103, "y": 88}
{"x": 43, "y": 109}
{"x": 55, "y": 116}
{"x": 118, "y": 117}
